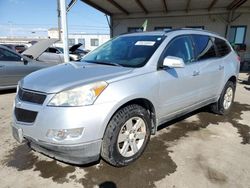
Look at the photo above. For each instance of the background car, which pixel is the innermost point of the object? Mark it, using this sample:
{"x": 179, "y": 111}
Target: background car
{"x": 14, "y": 66}
{"x": 52, "y": 54}
{"x": 17, "y": 48}
{"x": 55, "y": 54}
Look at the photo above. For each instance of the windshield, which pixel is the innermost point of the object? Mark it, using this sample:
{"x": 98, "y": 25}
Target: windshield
{"x": 128, "y": 51}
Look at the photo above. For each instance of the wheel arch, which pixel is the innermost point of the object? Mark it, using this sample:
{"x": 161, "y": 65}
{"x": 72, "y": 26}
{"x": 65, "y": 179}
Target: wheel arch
{"x": 145, "y": 103}
{"x": 233, "y": 79}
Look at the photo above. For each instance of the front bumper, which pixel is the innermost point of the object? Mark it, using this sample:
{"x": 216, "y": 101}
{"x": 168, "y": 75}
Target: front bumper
{"x": 32, "y": 121}
{"x": 74, "y": 154}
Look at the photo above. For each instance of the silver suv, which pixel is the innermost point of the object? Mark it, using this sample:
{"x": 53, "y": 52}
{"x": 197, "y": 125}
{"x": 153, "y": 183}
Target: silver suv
{"x": 110, "y": 103}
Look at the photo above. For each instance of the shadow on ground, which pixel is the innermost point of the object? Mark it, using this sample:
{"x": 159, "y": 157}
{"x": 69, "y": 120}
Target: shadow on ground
{"x": 246, "y": 82}
{"x": 155, "y": 164}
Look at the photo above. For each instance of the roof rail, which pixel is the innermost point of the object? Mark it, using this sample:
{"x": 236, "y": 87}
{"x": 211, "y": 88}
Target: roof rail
{"x": 191, "y": 29}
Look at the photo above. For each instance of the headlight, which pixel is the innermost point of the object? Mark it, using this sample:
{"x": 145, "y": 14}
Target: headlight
{"x": 80, "y": 96}
{"x": 64, "y": 134}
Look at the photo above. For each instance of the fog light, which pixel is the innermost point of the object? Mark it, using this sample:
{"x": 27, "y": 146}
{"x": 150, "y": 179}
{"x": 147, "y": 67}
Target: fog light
{"x": 64, "y": 134}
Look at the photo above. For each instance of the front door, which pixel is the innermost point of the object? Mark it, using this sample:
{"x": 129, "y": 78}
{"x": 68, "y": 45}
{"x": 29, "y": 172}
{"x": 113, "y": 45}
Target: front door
{"x": 13, "y": 68}
{"x": 9, "y": 71}
{"x": 179, "y": 87}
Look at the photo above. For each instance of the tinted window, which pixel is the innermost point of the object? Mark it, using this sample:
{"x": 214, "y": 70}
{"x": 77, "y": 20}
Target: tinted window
{"x": 20, "y": 48}
{"x": 180, "y": 47}
{"x": 222, "y": 47}
{"x": 204, "y": 47}
{"x": 6, "y": 55}
{"x": 128, "y": 51}
{"x": 52, "y": 50}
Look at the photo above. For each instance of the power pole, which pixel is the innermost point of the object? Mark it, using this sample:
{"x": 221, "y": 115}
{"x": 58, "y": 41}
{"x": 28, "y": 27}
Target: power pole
{"x": 64, "y": 29}
{"x": 59, "y": 20}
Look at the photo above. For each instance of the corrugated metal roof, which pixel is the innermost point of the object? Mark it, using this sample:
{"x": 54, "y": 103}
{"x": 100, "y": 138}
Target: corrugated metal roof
{"x": 112, "y": 7}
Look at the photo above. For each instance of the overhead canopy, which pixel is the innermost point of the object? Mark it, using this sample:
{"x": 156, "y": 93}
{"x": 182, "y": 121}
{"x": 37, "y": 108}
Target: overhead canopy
{"x": 128, "y": 7}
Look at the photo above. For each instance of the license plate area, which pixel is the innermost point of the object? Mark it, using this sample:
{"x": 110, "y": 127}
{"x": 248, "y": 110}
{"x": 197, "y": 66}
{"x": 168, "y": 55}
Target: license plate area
{"x": 17, "y": 134}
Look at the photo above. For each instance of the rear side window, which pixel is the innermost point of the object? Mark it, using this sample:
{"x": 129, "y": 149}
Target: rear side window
{"x": 204, "y": 47}
{"x": 52, "y": 50}
{"x": 222, "y": 48}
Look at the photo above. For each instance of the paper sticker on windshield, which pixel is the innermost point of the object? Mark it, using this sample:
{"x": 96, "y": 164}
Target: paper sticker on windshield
{"x": 145, "y": 43}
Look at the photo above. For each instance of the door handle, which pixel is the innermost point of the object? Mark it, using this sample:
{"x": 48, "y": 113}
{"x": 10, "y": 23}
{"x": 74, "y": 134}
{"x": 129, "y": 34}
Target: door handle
{"x": 221, "y": 67}
{"x": 196, "y": 73}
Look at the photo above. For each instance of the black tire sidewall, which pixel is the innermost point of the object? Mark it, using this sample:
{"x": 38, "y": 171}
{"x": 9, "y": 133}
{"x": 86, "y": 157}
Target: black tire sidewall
{"x": 138, "y": 111}
{"x": 221, "y": 100}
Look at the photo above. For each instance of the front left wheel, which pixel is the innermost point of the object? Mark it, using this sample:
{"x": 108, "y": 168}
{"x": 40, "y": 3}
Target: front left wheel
{"x": 126, "y": 135}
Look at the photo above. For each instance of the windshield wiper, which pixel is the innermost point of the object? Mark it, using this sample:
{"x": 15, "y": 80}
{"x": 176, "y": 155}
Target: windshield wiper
{"x": 103, "y": 63}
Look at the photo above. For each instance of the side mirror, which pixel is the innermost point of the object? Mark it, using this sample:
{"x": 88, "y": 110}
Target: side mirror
{"x": 173, "y": 62}
{"x": 25, "y": 61}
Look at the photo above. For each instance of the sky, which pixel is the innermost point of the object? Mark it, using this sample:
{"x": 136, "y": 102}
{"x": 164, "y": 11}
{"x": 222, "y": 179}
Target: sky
{"x": 32, "y": 18}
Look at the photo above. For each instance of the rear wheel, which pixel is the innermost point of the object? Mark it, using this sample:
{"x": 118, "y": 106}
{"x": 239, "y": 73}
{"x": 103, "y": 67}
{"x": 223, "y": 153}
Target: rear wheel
{"x": 224, "y": 104}
{"x": 126, "y": 136}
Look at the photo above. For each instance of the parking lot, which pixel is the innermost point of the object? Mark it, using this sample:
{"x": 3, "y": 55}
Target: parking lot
{"x": 198, "y": 150}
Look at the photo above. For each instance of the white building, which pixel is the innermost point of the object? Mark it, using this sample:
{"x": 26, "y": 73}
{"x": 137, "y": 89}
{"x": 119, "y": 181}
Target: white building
{"x": 88, "y": 41}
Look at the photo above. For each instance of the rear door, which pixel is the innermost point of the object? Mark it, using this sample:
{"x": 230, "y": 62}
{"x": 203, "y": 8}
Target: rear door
{"x": 209, "y": 66}
{"x": 179, "y": 87}
{"x": 223, "y": 50}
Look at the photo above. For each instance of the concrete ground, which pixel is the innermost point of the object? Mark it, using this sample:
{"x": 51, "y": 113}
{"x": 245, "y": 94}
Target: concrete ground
{"x": 199, "y": 150}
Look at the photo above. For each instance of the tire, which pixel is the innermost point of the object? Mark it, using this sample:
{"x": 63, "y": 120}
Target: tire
{"x": 126, "y": 135}
{"x": 219, "y": 107}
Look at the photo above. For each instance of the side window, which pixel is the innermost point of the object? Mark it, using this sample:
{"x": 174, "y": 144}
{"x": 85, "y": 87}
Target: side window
{"x": 204, "y": 47}
{"x": 180, "y": 47}
{"x": 51, "y": 50}
{"x": 222, "y": 48}
{"x": 6, "y": 55}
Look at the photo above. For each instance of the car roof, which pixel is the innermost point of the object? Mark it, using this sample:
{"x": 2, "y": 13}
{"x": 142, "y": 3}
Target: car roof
{"x": 179, "y": 31}
{"x": 145, "y": 33}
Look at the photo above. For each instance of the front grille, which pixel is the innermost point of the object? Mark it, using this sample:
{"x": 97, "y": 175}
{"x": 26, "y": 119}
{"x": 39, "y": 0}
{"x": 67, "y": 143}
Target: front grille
{"x": 26, "y": 116}
{"x": 30, "y": 96}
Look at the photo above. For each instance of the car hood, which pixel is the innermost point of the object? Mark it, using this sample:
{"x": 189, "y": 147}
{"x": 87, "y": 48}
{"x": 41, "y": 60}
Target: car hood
{"x": 68, "y": 75}
{"x": 75, "y": 47}
{"x": 38, "y": 48}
